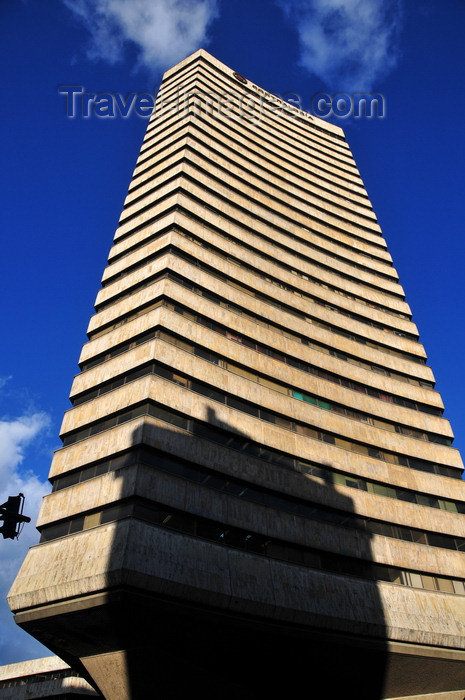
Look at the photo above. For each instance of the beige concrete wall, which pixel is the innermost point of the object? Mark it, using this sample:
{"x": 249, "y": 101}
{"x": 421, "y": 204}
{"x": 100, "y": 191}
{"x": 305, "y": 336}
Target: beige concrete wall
{"x": 280, "y": 371}
{"x": 260, "y": 395}
{"x": 262, "y": 286}
{"x": 205, "y": 502}
{"x": 268, "y": 259}
{"x": 137, "y": 554}
{"x": 24, "y": 686}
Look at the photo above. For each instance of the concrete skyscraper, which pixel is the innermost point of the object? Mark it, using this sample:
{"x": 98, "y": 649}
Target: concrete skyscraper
{"x": 257, "y": 491}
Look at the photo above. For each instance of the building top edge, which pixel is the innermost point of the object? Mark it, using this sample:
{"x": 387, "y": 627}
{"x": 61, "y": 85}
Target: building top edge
{"x": 205, "y": 55}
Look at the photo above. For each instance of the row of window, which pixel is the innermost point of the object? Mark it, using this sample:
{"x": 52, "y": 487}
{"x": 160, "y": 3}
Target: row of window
{"x": 244, "y": 185}
{"x": 340, "y": 209}
{"x": 304, "y": 366}
{"x": 275, "y": 260}
{"x": 40, "y": 678}
{"x": 297, "y": 291}
{"x": 171, "y": 250}
{"x": 324, "y": 181}
{"x": 238, "y": 538}
{"x": 323, "y": 145}
{"x": 259, "y": 379}
{"x": 321, "y": 186}
{"x": 308, "y": 128}
{"x": 287, "y": 309}
{"x": 309, "y": 244}
{"x": 238, "y": 200}
{"x": 150, "y": 408}
{"x": 286, "y": 461}
{"x": 174, "y": 250}
{"x": 258, "y": 253}
{"x": 247, "y": 196}
{"x": 271, "y": 499}
{"x": 117, "y": 350}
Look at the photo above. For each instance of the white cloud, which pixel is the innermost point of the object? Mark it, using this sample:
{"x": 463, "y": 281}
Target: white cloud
{"x": 349, "y": 44}
{"x": 16, "y": 436}
{"x": 163, "y": 31}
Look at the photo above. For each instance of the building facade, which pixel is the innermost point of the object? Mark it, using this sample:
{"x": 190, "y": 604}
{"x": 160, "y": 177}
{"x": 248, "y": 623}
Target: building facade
{"x": 257, "y": 488}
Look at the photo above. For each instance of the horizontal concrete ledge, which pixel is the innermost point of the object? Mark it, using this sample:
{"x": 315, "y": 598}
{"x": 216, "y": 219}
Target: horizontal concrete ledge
{"x": 45, "y": 664}
{"x": 138, "y": 631}
{"x": 87, "y": 603}
{"x": 426, "y": 651}
{"x": 454, "y": 695}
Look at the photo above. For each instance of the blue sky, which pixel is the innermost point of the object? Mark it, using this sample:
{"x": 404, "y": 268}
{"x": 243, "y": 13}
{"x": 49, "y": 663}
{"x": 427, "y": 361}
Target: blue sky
{"x": 64, "y": 180}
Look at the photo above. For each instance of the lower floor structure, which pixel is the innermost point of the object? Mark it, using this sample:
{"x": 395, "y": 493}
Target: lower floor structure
{"x": 49, "y": 678}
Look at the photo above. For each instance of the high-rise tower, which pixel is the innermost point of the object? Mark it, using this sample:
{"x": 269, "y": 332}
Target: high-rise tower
{"x": 256, "y": 489}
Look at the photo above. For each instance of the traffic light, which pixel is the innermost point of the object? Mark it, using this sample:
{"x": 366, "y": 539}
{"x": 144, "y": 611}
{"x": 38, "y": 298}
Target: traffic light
{"x": 11, "y": 513}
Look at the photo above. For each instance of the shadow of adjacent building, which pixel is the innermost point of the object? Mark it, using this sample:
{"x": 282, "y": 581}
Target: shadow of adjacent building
{"x": 228, "y": 572}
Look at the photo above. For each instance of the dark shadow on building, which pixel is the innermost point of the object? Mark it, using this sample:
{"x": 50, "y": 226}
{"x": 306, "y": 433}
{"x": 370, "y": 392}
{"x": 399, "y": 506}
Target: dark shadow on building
{"x": 232, "y": 576}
